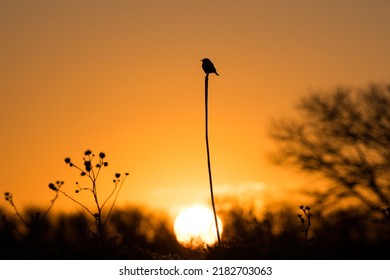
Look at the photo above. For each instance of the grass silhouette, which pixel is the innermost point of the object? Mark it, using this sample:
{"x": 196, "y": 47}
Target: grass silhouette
{"x": 139, "y": 233}
{"x": 206, "y": 86}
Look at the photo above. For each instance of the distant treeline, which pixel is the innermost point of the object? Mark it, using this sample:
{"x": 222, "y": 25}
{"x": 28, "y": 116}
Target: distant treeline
{"x": 137, "y": 234}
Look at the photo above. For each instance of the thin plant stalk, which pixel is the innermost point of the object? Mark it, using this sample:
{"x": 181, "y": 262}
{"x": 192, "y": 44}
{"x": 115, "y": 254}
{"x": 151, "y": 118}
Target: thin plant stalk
{"x": 9, "y": 198}
{"x": 306, "y": 223}
{"x": 50, "y": 206}
{"x": 92, "y": 171}
{"x": 112, "y": 205}
{"x": 208, "y": 159}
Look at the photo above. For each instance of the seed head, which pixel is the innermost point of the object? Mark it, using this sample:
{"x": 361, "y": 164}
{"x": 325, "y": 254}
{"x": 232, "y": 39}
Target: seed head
{"x": 53, "y": 187}
{"x": 88, "y": 165}
{"x": 8, "y": 196}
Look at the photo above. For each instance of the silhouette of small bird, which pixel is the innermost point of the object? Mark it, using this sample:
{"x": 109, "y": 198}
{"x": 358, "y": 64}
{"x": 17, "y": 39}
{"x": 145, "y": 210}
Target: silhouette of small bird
{"x": 208, "y": 66}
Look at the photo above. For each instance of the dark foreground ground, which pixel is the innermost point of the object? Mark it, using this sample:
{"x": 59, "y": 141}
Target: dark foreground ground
{"x": 133, "y": 234}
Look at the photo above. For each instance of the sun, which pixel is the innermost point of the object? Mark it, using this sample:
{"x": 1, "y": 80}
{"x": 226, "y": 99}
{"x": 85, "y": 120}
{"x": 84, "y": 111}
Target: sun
{"x": 195, "y": 226}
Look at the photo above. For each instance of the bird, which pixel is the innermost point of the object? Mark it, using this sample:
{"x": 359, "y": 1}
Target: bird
{"x": 208, "y": 66}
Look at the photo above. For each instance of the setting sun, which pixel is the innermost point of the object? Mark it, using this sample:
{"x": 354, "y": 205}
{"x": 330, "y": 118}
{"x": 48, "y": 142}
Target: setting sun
{"x": 195, "y": 227}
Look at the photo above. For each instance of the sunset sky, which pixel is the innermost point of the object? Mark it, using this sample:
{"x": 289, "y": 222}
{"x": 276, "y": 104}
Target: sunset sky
{"x": 125, "y": 78}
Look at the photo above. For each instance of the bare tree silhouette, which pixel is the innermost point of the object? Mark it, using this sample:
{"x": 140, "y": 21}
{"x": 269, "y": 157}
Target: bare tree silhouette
{"x": 345, "y": 137}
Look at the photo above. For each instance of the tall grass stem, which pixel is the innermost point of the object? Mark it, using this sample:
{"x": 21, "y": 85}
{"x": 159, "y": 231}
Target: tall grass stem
{"x": 208, "y": 158}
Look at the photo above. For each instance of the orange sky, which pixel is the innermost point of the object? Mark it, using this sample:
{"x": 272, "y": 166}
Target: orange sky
{"x": 125, "y": 77}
